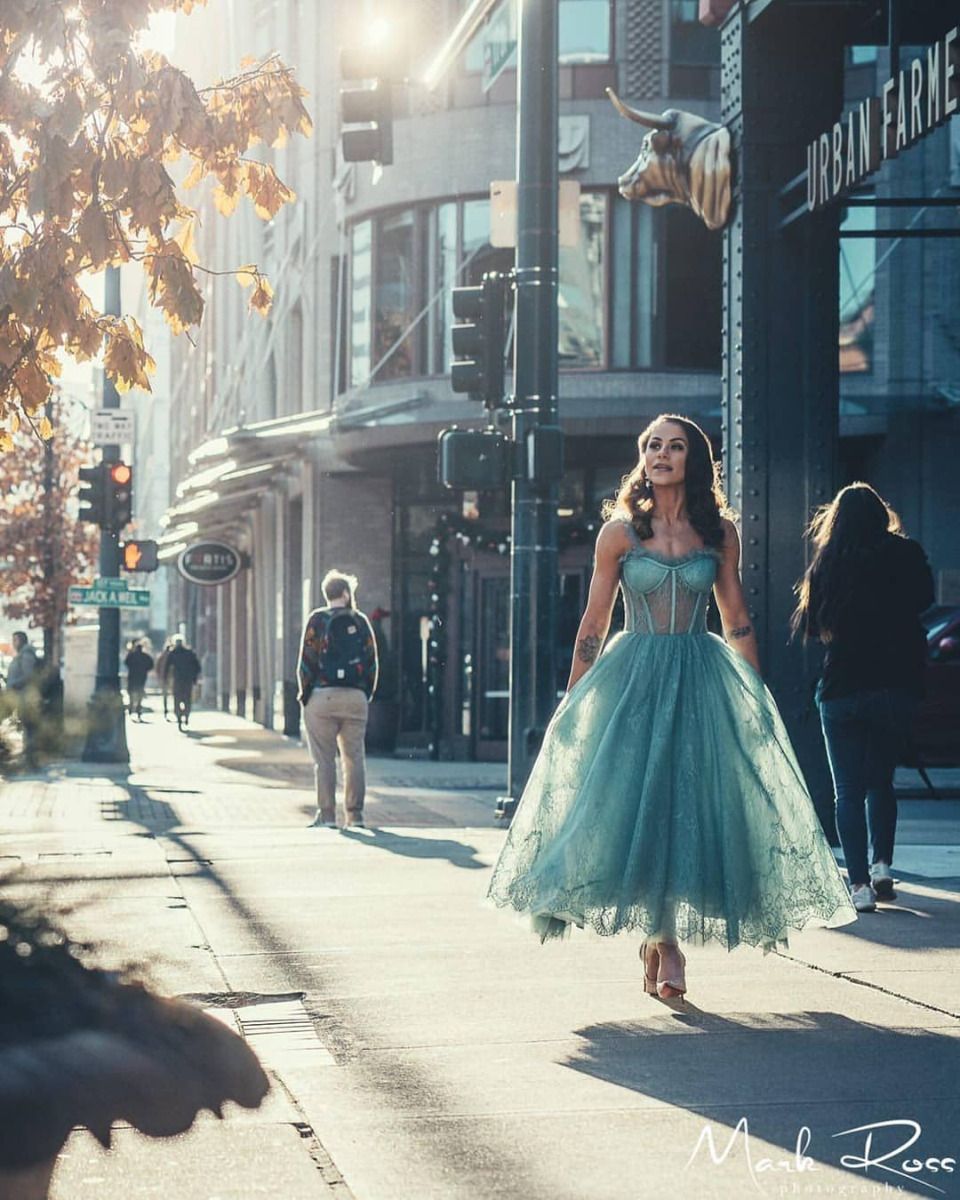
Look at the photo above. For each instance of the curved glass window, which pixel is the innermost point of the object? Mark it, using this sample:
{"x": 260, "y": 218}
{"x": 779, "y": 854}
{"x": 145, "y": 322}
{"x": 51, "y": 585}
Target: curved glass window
{"x": 395, "y": 292}
{"x": 361, "y": 280}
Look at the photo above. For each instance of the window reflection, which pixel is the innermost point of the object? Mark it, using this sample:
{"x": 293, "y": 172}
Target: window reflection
{"x": 584, "y": 32}
{"x": 361, "y": 259}
{"x": 858, "y": 265}
{"x": 581, "y": 288}
{"x": 396, "y": 300}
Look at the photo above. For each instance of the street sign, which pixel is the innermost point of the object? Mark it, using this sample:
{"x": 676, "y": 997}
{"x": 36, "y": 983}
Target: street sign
{"x": 112, "y": 427}
{"x": 209, "y": 563}
{"x": 110, "y": 593}
{"x": 499, "y": 43}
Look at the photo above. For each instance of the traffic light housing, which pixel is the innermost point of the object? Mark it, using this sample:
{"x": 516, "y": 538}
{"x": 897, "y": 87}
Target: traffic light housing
{"x": 481, "y": 342}
{"x": 366, "y": 110}
{"x": 139, "y": 556}
{"x": 477, "y": 459}
{"x": 93, "y": 494}
{"x": 119, "y": 496}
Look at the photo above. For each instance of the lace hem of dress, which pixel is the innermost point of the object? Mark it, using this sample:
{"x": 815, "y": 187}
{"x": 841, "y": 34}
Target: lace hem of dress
{"x": 800, "y": 896}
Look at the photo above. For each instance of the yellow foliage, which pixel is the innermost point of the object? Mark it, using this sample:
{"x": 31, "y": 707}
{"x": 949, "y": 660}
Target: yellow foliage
{"x": 84, "y": 184}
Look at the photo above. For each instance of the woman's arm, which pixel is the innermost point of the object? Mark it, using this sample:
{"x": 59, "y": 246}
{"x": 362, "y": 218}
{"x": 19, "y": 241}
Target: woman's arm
{"x": 737, "y": 627}
{"x": 613, "y": 541}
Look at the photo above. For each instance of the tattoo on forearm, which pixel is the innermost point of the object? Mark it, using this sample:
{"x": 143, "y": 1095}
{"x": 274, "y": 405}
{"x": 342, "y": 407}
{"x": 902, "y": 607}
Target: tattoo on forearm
{"x": 588, "y": 648}
{"x": 741, "y": 631}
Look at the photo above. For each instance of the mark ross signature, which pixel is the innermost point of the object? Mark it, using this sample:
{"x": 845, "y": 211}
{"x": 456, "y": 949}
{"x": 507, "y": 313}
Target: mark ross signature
{"x": 895, "y": 1161}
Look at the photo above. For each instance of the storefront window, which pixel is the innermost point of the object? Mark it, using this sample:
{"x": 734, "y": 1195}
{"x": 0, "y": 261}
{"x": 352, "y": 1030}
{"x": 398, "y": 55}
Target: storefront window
{"x": 444, "y": 282}
{"x": 394, "y": 347}
{"x": 694, "y": 53}
{"x": 582, "y": 288}
{"x": 361, "y": 280}
{"x": 584, "y": 32}
{"x": 858, "y": 266}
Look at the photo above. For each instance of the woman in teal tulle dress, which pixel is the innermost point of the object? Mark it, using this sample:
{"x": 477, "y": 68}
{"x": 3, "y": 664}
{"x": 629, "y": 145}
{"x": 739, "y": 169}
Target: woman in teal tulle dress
{"x": 666, "y": 797}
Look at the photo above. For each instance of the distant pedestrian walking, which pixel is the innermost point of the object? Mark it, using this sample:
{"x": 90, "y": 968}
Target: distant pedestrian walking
{"x": 182, "y": 667}
{"x": 338, "y": 676}
{"x": 22, "y": 679}
{"x": 161, "y": 669}
{"x": 138, "y": 664}
{"x": 861, "y": 596}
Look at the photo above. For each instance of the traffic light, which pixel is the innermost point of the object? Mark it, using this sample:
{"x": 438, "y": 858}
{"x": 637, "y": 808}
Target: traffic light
{"x": 139, "y": 556}
{"x": 366, "y": 108}
{"x": 93, "y": 494}
{"x": 482, "y": 342}
{"x": 478, "y": 459}
{"x": 119, "y": 497}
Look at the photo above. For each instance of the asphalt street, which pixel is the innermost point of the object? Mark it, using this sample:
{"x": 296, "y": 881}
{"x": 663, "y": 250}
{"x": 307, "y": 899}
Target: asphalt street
{"x": 424, "y": 1045}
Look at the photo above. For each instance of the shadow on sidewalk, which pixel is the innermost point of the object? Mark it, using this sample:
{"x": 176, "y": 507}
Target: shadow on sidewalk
{"x": 341, "y": 1031}
{"x": 771, "y": 1072}
{"x": 456, "y": 853}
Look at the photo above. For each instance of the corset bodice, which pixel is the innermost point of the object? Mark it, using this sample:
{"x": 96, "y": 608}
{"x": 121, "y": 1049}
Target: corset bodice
{"x": 667, "y": 595}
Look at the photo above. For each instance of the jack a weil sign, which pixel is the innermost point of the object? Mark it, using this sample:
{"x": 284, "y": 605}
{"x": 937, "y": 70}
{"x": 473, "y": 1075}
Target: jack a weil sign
{"x": 911, "y": 104}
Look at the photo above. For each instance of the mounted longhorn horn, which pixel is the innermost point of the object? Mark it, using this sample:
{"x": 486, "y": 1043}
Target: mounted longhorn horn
{"x": 684, "y": 159}
{"x": 634, "y": 114}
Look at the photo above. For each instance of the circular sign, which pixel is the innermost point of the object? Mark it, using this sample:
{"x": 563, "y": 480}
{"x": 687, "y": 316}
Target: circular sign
{"x": 209, "y": 562}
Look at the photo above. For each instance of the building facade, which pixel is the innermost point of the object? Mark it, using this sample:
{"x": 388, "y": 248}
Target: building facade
{"x": 308, "y": 440}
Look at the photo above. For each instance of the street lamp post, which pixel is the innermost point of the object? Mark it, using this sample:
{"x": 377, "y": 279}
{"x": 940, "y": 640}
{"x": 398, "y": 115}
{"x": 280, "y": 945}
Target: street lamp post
{"x": 106, "y": 735}
{"x": 536, "y": 434}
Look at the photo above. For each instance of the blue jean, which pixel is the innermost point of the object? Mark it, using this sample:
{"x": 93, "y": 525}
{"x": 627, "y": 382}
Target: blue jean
{"x": 866, "y": 733}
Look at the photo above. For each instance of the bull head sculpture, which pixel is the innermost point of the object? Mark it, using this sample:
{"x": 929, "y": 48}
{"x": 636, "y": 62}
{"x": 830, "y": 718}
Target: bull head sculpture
{"x": 684, "y": 159}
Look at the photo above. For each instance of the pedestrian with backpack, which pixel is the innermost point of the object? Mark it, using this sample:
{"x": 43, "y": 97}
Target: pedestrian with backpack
{"x": 338, "y": 675}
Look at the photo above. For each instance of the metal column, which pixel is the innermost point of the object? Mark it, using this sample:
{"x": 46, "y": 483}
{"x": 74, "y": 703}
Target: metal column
{"x": 533, "y": 562}
{"x": 106, "y": 739}
{"x": 782, "y": 84}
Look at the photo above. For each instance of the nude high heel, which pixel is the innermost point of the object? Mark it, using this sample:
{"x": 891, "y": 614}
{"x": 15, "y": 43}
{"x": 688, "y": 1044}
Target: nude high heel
{"x": 650, "y": 957}
{"x": 672, "y": 987}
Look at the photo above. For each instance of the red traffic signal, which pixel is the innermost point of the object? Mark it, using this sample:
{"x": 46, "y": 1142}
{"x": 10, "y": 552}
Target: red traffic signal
{"x": 119, "y": 500}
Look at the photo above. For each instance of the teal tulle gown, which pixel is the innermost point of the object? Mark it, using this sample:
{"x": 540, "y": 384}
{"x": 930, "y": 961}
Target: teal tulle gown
{"x": 666, "y": 797}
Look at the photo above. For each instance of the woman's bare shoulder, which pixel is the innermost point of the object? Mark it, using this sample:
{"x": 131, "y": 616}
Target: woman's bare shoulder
{"x": 616, "y": 536}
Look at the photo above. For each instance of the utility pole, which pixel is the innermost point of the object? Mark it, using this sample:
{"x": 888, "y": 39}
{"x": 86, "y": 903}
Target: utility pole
{"x": 107, "y": 734}
{"x": 537, "y": 440}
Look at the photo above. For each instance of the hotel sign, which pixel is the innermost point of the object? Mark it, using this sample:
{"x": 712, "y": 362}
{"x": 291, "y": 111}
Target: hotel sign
{"x": 911, "y": 104}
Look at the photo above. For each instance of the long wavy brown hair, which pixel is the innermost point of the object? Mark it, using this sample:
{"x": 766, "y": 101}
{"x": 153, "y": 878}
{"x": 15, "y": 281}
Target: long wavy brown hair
{"x": 844, "y": 534}
{"x": 706, "y": 503}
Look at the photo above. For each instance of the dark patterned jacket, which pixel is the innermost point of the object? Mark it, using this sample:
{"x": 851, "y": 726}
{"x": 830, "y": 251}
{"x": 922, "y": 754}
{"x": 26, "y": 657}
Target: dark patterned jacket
{"x": 310, "y": 668}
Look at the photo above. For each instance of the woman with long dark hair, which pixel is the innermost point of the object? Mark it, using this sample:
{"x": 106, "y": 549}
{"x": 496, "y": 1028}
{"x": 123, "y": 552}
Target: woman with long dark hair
{"x": 861, "y": 597}
{"x": 666, "y": 797}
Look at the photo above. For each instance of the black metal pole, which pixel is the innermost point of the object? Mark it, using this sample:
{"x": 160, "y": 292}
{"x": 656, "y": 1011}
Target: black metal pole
{"x": 533, "y": 563}
{"x": 107, "y": 735}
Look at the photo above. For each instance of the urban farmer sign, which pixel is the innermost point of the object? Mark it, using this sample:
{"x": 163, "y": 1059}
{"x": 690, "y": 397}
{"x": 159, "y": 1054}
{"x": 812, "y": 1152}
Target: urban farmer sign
{"x": 209, "y": 562}
{"x": 911, "y": 104}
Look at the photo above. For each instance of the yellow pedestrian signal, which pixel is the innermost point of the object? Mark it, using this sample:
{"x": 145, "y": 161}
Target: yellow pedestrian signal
{"x": 139, "y": 556}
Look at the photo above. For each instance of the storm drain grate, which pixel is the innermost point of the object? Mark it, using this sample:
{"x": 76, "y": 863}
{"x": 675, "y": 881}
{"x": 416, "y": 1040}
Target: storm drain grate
{"x": 278, "y": 1027}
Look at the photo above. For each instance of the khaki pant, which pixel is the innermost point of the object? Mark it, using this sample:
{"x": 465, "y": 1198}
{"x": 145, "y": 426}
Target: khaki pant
{"x": 337, "y": 718}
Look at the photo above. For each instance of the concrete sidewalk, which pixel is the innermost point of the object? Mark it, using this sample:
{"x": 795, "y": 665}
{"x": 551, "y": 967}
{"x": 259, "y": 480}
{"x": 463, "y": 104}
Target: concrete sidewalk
{"x": 426, "y": 1046}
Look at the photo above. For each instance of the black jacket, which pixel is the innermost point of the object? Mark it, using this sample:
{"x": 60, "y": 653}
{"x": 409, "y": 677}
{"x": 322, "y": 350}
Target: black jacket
{"x": 881, "y": 643}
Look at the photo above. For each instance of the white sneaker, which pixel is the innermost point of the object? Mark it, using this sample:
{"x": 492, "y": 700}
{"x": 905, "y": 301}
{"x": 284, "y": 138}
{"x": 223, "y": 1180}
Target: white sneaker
{"x": 882, "y": 881}
{"x": 864, "y": 898}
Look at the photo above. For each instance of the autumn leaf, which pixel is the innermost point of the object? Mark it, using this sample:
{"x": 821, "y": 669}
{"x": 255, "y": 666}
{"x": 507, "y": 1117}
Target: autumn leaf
{"x": 262, "y": 297}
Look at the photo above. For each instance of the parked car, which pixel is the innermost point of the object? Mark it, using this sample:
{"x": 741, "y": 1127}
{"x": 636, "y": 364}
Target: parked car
{"x": 937, "y": 731}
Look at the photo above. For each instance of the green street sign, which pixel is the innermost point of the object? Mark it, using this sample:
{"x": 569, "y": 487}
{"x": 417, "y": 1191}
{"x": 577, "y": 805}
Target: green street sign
{"x": 103, "y": 594}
